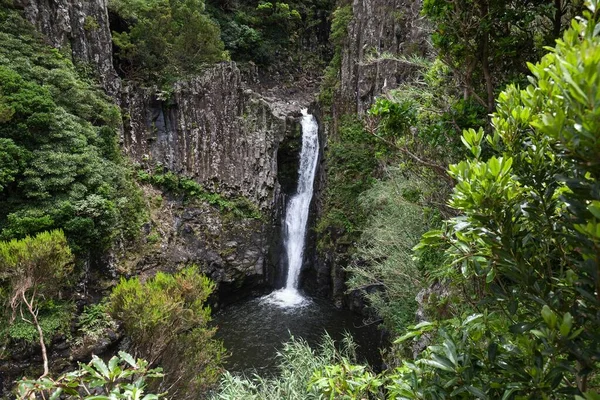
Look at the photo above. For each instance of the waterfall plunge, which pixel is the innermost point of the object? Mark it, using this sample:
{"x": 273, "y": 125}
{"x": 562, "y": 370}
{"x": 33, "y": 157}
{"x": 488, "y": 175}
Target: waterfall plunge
{"x": 296, "y": 216}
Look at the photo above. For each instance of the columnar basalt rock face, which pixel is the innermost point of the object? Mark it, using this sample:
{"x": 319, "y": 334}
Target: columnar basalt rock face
{"x": 233, "y": 251}
{"x": 82, "y": 26}
{"x": 216, "y": 131}
{"x": 211, "y": 129}
{"x": 379, "y": 30}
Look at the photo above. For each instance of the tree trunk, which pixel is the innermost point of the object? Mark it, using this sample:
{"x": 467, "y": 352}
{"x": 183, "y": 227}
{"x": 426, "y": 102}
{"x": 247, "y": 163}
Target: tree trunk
{"x": 468, "y": 90}
{"x": 485, "y": 63}
{"x": 40, "y": 333}
{"x": 557, "y": 23}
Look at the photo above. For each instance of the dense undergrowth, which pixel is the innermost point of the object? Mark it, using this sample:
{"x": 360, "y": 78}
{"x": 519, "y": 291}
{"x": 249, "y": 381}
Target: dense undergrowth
{"x": 501, "y": 277}
{"x": 60, "y": 164}
{"x": 68, "y": 196}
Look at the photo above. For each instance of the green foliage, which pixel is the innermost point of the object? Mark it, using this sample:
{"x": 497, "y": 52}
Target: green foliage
{"x": 523, "y": 250}
{"x": 90, "y": 24}
{"x": 94, "y": 321}
{"x": 60, "y": 165}
{"x": 33, "y": 271}
{"x": 351, "y": 168}
{"x": 41, "y": 264}
{"x": 340, "y": 20}
{"x": 240, "y": 207}
{"x": 54, "y": 318}
{"x": 121, "y": 378}
{"x": 526, "y": 243}
{"x": 427, "y": 116}
{"x": 384, "y": 268}
{"x": 166, "y": 39}
{"x": 11, "y": 157}
{"x": 297, "y": 361}
{"x": 167, "y": 320}
{"x": 345, "y": 381}
{"x": 267, "y": 33}
{"x": 153, "y": 238}
{"x": 487, "y": 42}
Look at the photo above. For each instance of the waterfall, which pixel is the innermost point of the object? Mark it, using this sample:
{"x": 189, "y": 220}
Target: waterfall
{"x": 296, "y": 216}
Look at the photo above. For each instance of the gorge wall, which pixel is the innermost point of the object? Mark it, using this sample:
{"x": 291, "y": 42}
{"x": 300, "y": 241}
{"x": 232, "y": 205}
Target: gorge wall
{"x": 216, "y": 131}
{"x": 219, "y": 131}
{"x": 213, "y": 129}
{"x": 80, "y": 27}
{"x": 375, "y": 54}
{"x": 380, "y": 34}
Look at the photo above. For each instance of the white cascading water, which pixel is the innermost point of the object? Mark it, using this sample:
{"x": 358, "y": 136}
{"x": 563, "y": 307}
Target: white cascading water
{"x": 296, "y": 216}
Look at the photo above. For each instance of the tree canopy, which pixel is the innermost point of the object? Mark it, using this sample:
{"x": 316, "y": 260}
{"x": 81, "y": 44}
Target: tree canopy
{"x": 60, "y": 165}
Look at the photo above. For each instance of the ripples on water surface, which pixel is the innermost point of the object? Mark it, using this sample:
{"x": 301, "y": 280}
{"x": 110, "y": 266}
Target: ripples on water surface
{"x": 255, "y": 330}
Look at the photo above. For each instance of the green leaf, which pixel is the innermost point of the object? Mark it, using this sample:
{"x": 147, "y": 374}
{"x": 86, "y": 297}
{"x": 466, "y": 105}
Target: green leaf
{"x": 508, "y": 393}
{"x": 476, "y": 392}
{"x": 549, "y": 316}
{"x": 406, "y": 336}
{"x": 440, "y": 362}
{"x": 591, "y": 395}
{"x": 112, "y": 364}
{"x": 56, "y": 394}
{"x": 128, "y": 359}
{"x": 566, "y": 325}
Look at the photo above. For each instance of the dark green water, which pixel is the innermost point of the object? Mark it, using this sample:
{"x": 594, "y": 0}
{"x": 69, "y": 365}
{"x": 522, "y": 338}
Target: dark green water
{"x": 254, "y": 330}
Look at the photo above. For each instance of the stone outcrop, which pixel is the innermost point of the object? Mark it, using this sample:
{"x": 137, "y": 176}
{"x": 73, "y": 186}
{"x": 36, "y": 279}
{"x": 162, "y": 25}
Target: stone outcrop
{"x": 234, "y": 251}
{"x": 380, "y": 31}
{"x": 210, "y": 128}
{"x": 81, "y": 26}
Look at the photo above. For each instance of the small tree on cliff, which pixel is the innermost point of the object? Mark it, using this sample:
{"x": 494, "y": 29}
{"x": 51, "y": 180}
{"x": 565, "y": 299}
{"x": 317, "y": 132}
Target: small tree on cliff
{"x": 34, "y": 268}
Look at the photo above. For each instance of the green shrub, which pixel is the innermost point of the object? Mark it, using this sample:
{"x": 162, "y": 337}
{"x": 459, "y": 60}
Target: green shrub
{"x": 351, "y": 170}
{"x": 94, "y": 321}
{"x": 266, "y": 33}
{"x": 54, "y": 318}
{"x": 167, "y": 321}
{"x": 240, "y": 206}
{"x": 525, "y": 247}
{"x": 296, "y": 365}
{"x": 384, "y": 268}
{"x": 33, "y": 272}
{"x": 121, "y": 378}
{"x": 340, "y": 20}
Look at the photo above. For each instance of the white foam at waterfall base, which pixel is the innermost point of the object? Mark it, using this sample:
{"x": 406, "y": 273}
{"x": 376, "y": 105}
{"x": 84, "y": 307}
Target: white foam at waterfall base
{"x": 286, "y": 298}
{"x": 296, "y": 216}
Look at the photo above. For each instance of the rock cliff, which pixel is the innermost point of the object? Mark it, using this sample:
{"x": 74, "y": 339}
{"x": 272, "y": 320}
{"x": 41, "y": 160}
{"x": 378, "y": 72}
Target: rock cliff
{"x": 210, "y": 128}
{"x": 81, "y": 27}
{"x": 379, "y": 35}
{"x": 216, "y": 131}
